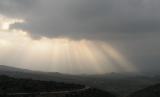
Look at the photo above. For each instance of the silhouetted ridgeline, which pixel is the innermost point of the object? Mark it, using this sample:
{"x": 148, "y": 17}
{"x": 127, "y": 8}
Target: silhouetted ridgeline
{"x": 152, "y": 91}
{"x": 13, "y": 87}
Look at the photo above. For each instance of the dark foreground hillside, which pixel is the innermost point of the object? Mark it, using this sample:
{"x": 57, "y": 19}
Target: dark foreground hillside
{"x": 90, "y": 93}
{"x": 121, "y": 84}
{"x": 152, "y": 91}
{"x": 13, "y": 87}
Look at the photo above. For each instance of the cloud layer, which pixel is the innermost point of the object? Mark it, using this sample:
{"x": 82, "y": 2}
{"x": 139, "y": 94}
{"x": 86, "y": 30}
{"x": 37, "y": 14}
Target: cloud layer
{"x": 85, "y": 18}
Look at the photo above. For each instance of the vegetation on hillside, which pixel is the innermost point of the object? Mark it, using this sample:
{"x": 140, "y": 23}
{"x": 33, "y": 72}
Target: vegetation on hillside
{"x": 152, "y": 91}
{"x": 16, "y": 87}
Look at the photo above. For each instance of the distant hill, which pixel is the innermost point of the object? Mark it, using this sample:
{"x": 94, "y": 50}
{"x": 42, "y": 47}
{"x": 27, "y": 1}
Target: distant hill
{"x": 151, "y": 91}
{"x": 37, "y": 75}
{"x": 16, "y": 87}
{"x": 8, "y": 68}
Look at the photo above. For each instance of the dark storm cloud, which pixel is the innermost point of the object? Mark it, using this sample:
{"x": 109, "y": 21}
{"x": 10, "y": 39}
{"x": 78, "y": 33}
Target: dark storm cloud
{"x": 16, "y": 8}
{"x": 87, "y": 18}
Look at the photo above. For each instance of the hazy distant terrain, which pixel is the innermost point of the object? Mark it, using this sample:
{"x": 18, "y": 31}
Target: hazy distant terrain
{"x": 120, "y": 84}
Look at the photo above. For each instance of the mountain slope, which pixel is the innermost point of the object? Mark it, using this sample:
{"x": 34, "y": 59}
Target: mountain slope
{"x": 151, "y": 91}
{"x": 120, "y": 84}
{"x": 13, "y": 87}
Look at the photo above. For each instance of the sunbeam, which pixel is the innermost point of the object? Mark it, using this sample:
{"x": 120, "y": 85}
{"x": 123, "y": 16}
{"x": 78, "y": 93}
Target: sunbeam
{"x": 57, "y": 54}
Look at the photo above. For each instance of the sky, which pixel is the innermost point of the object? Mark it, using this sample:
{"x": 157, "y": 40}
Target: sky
{"x": 81, "y": 36}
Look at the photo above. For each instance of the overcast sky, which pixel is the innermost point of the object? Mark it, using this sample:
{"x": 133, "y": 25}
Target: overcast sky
{"x": 131, "y": 26}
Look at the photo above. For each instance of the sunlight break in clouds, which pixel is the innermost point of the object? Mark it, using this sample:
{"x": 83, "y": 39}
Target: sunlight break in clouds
{"x": 59, "y": 54}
